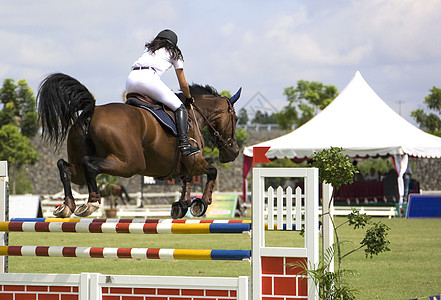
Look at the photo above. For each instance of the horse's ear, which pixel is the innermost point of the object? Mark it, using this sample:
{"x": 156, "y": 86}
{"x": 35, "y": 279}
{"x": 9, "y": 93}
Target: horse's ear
{"x": 235, "y": 97}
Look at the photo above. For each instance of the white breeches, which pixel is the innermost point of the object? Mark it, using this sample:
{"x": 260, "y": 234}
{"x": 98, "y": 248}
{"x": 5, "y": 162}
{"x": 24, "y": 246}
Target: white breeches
{"x": 147, "y": 82}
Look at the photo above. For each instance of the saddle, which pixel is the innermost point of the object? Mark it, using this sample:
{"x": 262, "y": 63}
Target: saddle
{"x": 162, "y": 113}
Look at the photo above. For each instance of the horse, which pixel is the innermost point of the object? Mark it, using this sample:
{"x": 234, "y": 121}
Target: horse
{"x": 123, "y": 140}
{"x": 115, "y": 190}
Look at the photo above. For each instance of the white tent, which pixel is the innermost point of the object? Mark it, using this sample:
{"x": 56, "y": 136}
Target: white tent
{"x": 361, "y": 123}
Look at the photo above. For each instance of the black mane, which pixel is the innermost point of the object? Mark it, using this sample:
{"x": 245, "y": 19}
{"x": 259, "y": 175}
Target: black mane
{"x": 197, "y": 89}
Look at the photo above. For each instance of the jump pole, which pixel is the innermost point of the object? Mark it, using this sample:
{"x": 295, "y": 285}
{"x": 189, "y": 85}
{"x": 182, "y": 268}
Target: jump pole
{"x": 90, "y": 220}
{"x": 134, "y": 253}
{"x": 133, "y": 228}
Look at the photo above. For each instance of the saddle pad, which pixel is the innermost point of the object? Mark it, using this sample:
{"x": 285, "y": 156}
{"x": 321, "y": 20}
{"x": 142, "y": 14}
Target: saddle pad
{"x": 163, "y": 118}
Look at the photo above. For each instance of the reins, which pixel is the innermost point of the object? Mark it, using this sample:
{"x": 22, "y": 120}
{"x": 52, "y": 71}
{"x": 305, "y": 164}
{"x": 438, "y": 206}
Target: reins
{"x": 217, "y": 135}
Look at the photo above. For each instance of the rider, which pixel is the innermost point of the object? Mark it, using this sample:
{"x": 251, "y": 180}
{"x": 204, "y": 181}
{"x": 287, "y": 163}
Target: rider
{"x": 158, "y": 56}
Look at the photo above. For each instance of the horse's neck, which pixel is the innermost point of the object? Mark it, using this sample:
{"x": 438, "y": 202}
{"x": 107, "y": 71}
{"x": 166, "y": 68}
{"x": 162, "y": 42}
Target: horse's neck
{"x": 208, "y": 109}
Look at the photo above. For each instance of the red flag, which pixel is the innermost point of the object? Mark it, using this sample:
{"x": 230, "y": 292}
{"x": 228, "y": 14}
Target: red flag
{"x": 259, "y": 155}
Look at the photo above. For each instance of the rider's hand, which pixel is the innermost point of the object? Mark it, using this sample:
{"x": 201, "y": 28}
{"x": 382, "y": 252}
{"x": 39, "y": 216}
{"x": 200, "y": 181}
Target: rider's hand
{"x": 189, "y": 101}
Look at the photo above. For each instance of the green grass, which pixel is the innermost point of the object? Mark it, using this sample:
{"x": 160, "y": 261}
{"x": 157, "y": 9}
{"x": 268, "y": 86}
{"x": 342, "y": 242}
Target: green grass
{"x": 411, "y": 269}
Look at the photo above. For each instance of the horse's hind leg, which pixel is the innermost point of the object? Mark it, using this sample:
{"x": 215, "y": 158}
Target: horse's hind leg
{"x": 111, "y": 165}
{"x": 124, "y": 191}
{"x": 91, "y": 170}
{"x": 68, "y": 207}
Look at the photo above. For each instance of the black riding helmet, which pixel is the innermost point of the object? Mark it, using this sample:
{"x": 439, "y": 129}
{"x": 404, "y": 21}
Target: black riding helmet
{"x": 169, "y": 36}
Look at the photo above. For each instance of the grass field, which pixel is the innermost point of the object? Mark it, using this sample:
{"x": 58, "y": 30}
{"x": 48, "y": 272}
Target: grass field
{"x": 411, "y": 269}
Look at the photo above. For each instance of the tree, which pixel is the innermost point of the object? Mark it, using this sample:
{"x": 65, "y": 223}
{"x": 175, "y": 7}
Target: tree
{"x": 27, "y": 109}
{"x": 18, "y": 123}
{"x": 263, "y": 118}
{"x": 7, "y": 114}
{"x": 7, "y": 92}
{"x": 430, "y": 122}
{"x": 287, "y": 117}
{"x": 16, "y": 149}
{"x": 304, "y": 101}
{"x": 243, "y": 117}
{"x": 226, "y": 93}
{"x": 29, "y": 124}
{"x": 19, "y": 107}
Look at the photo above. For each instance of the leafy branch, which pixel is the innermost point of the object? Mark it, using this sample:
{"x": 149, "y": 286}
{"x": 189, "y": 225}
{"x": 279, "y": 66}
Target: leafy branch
{"x": 337, "y": 169}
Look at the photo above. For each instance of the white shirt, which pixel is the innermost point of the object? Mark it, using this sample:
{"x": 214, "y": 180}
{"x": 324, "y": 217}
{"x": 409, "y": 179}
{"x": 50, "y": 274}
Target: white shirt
{"x": 160, "y": 61}
{"x": 370, "y": 177}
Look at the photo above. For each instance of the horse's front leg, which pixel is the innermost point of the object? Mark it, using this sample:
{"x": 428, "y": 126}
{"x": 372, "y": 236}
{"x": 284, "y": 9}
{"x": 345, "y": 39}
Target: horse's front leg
{"x": 186, "y": 191}
{"x": 209, "y": 186}
{"x": 179, "y": 209}
{"x": 199, "y": 206}
{"x": 68, "y": 207}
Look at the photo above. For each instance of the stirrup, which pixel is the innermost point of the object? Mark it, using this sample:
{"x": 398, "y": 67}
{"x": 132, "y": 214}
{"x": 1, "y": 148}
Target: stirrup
{"x": 189, "y": 150}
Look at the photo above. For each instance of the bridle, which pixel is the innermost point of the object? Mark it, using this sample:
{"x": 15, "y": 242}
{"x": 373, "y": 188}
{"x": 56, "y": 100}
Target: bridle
{"x": 221, "y": 142}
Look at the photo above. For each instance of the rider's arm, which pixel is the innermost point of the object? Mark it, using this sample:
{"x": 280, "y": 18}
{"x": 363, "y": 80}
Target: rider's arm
{"x": 183, "y": 83}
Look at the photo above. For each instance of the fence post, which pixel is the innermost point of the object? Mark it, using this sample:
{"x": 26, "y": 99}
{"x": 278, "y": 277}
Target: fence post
{"x": 94, "y": 287}
{"x": 328, "y": 229}
{"x": 243, "y": 290}
{"x": 83, "y": 286}
{"x": 311, "y": 224}
{"x": 258, "y": 235}
{"x": 4, "y": 208}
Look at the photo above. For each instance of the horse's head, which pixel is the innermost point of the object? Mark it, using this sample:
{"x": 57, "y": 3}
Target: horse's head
{"x": 220, "y": 116}
{"x": 228, "y": 148}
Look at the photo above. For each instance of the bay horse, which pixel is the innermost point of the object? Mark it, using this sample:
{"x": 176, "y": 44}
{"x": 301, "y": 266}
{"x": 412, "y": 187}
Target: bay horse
{"x": 115, "y": 190}
{"x": 123, "y": 140}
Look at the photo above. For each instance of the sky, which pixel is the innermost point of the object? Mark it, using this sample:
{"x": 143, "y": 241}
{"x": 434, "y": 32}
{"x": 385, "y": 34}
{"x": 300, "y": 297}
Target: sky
{"x": 262, "y": 46}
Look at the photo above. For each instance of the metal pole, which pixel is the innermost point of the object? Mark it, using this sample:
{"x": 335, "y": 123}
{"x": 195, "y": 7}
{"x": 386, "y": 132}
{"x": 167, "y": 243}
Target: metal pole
{"x": 4, "y": 211}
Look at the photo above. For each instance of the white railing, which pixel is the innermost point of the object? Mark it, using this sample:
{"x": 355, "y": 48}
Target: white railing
{"x": 93, "y": 286}
{"x": 259, "y": 127}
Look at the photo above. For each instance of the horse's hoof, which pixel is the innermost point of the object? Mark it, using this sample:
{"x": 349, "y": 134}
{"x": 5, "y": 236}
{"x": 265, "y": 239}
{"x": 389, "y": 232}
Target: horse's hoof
{"x": 198, "y": 207}
{"x": 87, "y": 209}
{"x": 62, "y": 211}
{"x": 178, "y": 210}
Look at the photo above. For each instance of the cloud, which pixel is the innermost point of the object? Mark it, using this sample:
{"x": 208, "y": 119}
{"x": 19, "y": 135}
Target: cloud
{"x": 227, "y": 29}
{"x": 397, "y": 31}
{"x": 394, "y": 43}
{"x": 360, "y": 32}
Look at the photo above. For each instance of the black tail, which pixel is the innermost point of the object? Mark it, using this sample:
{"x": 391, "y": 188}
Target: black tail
{"x": 61, "y": 99}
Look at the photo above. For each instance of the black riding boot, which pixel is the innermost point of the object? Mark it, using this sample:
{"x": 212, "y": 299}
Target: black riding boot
{"x": 181, "y": 124}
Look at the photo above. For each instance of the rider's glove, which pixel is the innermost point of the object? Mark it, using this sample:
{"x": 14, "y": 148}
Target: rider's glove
{"x": 189, "y": 101}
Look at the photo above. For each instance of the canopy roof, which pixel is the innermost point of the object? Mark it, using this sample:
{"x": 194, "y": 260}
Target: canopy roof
{"x": 361, "y": 123}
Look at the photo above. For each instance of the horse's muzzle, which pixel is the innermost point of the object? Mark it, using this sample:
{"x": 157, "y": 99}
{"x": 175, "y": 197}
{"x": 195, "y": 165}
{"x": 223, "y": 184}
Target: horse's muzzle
{"x": 228, "y": 154}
